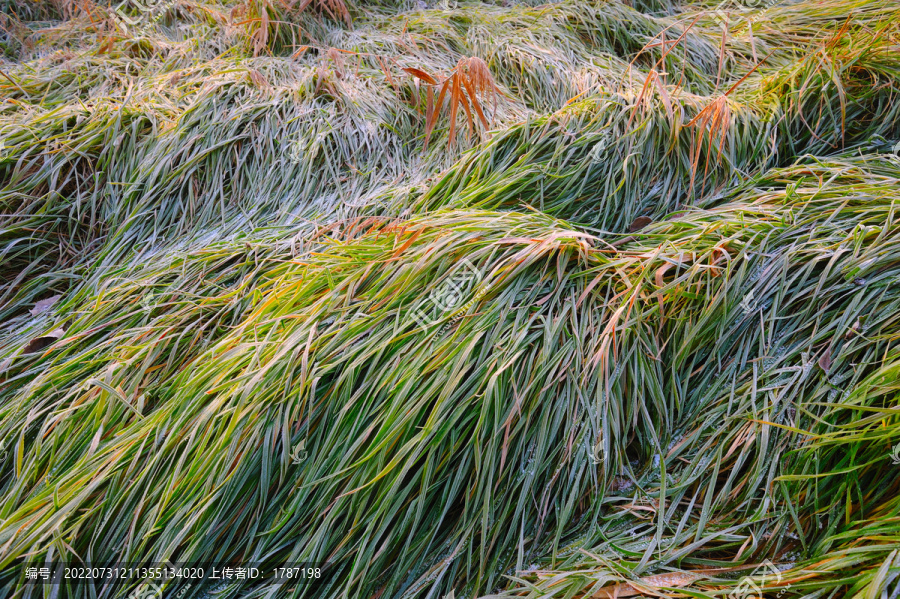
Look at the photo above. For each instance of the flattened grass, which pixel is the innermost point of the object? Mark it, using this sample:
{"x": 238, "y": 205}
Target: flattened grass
{"x": 241, "y": 245}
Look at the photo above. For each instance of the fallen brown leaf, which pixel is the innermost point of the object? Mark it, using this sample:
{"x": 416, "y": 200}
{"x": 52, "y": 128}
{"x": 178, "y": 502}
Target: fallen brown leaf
{"x": 670, "y": 580}
{"x": 639, "y": 223}
{"x": 44, "y": 305}
{"x": 825, "y": 360}
{"x": 39, "y": 343}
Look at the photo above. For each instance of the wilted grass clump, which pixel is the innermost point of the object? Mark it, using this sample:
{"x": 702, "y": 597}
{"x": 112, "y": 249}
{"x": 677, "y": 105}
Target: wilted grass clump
{"x": 571, "y": 300}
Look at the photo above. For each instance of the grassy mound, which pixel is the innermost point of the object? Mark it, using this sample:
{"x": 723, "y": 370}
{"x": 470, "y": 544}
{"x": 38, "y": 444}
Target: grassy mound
{"x": 628, "y": 327}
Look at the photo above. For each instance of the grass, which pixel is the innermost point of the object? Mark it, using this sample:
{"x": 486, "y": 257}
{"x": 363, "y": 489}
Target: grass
{"x": 672, "y": 354}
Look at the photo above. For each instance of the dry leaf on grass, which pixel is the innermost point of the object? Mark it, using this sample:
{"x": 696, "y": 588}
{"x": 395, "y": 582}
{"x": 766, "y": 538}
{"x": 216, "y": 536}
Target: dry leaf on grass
{"x": 44, "y": 305}
{"x": 825, "y": 360}
{"x": 335, "y": 9}
{"x": 257, "y": 78}
{"x": 470, "y": 79}
{"x": 42, "y": 342}
{"x": 639, "y": 223}
{"x": 649, "y": 583}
